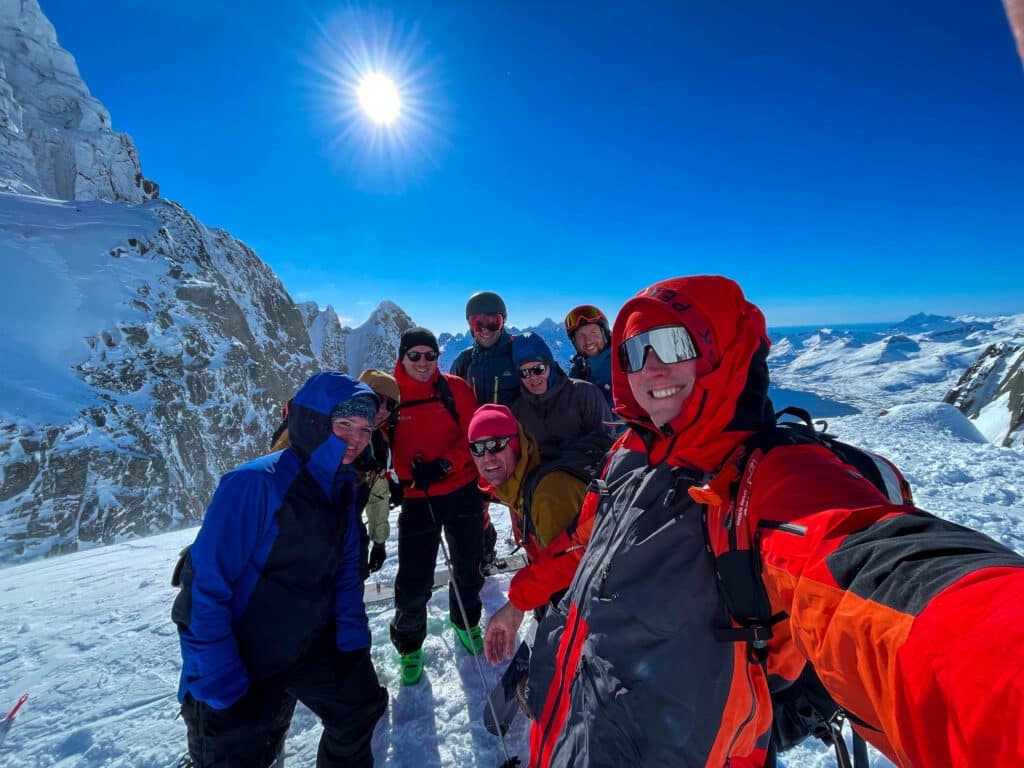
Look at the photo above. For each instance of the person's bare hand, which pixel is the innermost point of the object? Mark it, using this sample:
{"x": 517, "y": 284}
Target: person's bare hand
{"x": 500, "y": 635}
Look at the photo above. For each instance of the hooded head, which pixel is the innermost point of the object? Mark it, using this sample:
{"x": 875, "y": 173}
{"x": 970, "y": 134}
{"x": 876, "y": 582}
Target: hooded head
{"x": 530, "y": 348}
{"x": 309, "y": 422}
{"x": 729, "y": 397}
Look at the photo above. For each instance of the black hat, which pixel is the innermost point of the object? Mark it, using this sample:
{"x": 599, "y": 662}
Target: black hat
{"x": 415, "y": 337}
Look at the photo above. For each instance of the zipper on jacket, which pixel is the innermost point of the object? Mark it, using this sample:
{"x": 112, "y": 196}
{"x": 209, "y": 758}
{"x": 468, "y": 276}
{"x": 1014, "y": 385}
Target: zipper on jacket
{"x": 746, "y": 722}
{"x": 563, "y": 689}
{"x": 778, "y": 525}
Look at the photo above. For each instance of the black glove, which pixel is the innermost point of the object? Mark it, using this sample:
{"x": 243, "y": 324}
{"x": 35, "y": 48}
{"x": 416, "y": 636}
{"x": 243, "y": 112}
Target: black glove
{"x": 377, "y": 555}
{"x": 426, "y": 473}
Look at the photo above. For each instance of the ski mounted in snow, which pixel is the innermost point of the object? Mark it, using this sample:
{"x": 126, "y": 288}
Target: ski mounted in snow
{"x": 7, "y": 722}
{"x": 503, "y": 699}
{"x": 379, "y": 591}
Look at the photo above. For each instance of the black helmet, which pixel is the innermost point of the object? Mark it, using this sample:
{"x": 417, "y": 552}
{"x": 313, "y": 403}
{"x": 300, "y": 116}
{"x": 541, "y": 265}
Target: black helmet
{"x": 486, "y": 303}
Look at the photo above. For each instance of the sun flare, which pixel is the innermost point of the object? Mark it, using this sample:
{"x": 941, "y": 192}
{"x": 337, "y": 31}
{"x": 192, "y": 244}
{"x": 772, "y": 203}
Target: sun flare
{"x": 379, "y": 98}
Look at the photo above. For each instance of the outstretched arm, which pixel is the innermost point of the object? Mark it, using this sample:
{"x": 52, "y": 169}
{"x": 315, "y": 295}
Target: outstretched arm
{"x": 913, "y": 623}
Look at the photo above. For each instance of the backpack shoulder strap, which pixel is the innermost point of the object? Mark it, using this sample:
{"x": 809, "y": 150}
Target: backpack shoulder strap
{"x": 442, "y": 393}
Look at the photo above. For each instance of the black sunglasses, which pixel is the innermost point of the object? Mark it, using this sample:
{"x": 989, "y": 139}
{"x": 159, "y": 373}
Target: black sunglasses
{"x": 391, "y": 404}
{"x": 537, "y": 370}
{"x": 491, "y": 445}
{"x": 413, "y": 355}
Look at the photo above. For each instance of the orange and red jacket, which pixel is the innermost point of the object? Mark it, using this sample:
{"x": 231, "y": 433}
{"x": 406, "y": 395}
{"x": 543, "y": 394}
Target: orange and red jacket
{"x": 427, "y": 431}
{"x": 913, "y": 624}
{"x": 554, "y": 507}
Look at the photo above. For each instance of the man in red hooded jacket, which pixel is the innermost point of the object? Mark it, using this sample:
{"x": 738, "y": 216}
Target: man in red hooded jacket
{"x": 430, "y": 454}
{"x": 912, "y": 623}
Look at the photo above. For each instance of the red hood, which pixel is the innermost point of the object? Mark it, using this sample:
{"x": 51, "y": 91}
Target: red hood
{"x": 730, "y": 396}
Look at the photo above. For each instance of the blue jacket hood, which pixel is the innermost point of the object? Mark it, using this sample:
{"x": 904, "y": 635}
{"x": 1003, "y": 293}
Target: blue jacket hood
{"x": 309, "y": 423}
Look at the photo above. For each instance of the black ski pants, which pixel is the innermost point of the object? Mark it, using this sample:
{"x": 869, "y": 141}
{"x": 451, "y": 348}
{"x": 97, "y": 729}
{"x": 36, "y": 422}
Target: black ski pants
{"x": 460, "y": 515}
{"x": 340, "y": 687}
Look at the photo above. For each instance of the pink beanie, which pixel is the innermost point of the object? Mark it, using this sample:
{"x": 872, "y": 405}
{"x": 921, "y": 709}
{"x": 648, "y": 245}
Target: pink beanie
{"x": 492, "y": 420}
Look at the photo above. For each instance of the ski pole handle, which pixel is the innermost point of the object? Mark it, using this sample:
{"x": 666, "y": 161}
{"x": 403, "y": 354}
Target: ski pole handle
{"x": 13, "y": 712}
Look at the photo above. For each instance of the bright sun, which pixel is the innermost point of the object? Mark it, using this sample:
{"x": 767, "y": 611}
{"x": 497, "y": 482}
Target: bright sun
{"x": 379, "y": 98}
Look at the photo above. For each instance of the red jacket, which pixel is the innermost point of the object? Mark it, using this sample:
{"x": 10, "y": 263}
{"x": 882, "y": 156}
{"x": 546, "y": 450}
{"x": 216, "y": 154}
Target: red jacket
{"x": 912, "y": 623}
{"x": 427, "y": 431}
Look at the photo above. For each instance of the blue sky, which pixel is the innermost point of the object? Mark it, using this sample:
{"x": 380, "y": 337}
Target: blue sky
{"x": 847, "y": 162}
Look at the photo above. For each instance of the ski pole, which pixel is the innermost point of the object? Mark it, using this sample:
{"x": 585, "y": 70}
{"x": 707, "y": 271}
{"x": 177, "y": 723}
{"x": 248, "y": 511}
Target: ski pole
{"x": 7, "y": 722}
{"x": 510, "y": 762}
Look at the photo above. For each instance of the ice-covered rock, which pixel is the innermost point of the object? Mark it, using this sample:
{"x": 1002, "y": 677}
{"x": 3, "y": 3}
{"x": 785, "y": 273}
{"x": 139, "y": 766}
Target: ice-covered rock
{"x": 56, "y": 140}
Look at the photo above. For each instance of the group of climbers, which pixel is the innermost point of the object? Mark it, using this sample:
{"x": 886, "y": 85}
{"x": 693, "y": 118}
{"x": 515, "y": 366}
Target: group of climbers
{"x": 901, "y": 615}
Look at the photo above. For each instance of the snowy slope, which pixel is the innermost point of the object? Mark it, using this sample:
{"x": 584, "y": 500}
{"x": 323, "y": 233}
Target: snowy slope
{"x": 88, "y": 635}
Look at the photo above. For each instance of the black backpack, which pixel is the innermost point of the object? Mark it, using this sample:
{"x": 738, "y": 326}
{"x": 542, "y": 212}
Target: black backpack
{"x": 804, "y": 708}
{"x": 583, "y": 457}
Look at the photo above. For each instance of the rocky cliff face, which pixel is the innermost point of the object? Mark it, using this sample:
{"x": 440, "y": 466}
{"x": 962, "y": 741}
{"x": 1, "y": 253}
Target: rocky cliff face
{"x": 144, "y": 354}
{"x": 991, "y": 393}
{"x": 55, "y": 138}
{"x": 179, "y": 382}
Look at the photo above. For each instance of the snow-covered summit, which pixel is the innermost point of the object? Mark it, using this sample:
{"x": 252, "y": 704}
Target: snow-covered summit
{"x": 374, "y": 344}
{"x": 56, "y": 140}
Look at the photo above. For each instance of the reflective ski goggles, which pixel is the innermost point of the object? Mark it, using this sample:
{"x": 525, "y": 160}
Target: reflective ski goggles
{"x": 672, "y": 344}
{"x": 534, "y": 370}
{"x": 486, "y": 322}
{"x": 415, "y": 356}
{"x": 491, "y": 445}
{"x": 585, "y": 313}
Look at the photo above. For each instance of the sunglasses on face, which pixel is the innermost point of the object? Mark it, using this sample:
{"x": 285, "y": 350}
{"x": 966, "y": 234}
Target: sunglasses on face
{"x": 486, "y": 322}
{"x": 390, "y": 403}
{"x": 415, "y": 356}
{"x": 672, "y": 345}
{"x": 491, "y": 445}
{"x": 536, "y": 370}
{"x": 586, "y": 313}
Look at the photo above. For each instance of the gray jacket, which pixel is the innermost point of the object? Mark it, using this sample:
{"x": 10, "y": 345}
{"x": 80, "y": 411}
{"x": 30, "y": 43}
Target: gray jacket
{"x": 569, "y": 408}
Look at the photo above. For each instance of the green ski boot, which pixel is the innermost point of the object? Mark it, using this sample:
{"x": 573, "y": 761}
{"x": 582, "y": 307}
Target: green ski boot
{"x": 411, "y": 665}
{"x": 473, "y": 640}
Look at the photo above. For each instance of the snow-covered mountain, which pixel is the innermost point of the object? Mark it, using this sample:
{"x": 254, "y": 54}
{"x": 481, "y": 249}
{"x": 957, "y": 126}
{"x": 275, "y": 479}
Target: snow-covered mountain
{"x": 56, "y": 140}
{"x": 374, "y": 344}
{"x": 991, "y": 392}
{"x": 974, "y": 363}
{"x": 144, "y": 353}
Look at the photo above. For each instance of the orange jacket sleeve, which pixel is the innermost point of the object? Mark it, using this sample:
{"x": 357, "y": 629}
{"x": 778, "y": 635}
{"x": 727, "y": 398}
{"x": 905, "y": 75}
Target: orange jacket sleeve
{"x": 913, "y": 623}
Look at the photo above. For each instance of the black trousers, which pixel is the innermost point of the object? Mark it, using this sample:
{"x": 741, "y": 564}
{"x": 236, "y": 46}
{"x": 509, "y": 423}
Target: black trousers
{"x": 341, "y": 688}
{"x": 460, "y": 515}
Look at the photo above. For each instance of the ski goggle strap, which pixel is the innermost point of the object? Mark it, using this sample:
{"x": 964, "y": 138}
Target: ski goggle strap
{"x": 585, "y": 313}
{"x": 672, "y": 344}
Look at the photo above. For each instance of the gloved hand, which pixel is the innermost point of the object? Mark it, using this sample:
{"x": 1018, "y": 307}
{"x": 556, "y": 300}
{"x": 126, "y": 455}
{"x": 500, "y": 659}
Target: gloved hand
{"x": 426, "y": 473}
{"x": 377, "y": 555}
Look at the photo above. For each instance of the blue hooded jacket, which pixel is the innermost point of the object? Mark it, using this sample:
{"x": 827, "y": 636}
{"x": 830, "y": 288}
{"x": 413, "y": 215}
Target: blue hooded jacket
{"x": 277, "y": 559}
